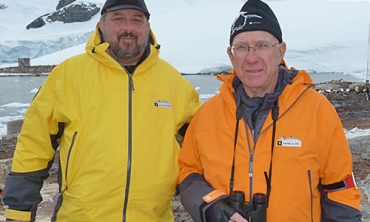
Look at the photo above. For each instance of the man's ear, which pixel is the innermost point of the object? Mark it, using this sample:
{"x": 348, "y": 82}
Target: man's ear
{"x": 230, "y": 54}
{"x": 101, "y": 22}
{"x": 282, "y": 50}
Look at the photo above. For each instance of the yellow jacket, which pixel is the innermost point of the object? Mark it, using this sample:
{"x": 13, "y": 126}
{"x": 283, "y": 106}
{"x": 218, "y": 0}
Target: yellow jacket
{"x": 116, "y": 135}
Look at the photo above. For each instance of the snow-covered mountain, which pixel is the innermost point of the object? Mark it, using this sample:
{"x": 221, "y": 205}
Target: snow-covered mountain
{"x": 16, "y": 41}
{"x": 321, "y": 36}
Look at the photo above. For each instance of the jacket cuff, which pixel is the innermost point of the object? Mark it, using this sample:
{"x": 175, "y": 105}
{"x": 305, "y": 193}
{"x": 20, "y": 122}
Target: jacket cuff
{"x": 17, "y": 215}
{"x": 205, "y": 205}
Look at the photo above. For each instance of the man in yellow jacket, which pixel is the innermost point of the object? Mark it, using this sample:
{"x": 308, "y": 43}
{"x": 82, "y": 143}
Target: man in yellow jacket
{"x": 113, "y": 113}
{"x": 268, "y": 138}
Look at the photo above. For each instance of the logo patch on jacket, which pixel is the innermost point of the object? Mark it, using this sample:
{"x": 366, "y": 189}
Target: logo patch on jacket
{"x": 289, "y": 142}
{"x": 163, "y": 104}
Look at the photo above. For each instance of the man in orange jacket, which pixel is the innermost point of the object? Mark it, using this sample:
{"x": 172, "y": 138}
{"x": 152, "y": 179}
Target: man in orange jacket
{"x": 268, "y": 136}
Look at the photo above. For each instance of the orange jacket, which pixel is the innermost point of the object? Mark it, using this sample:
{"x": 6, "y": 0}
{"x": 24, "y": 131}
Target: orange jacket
{"x": 319, "y": 152}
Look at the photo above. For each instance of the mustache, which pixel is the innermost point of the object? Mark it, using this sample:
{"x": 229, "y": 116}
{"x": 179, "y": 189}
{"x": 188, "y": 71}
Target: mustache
{"x": 127, "y": 34}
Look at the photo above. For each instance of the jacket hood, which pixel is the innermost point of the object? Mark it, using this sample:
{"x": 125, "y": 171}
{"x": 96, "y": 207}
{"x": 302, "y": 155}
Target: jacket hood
{"x": 96, "y": 47}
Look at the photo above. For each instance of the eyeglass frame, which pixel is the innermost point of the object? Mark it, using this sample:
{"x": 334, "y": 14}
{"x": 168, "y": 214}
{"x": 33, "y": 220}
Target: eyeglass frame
{"x": 270, "y": 46}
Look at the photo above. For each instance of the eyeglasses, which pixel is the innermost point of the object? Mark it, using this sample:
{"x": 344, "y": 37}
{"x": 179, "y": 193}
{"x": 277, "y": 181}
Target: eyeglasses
{"x": 261, "y": 49}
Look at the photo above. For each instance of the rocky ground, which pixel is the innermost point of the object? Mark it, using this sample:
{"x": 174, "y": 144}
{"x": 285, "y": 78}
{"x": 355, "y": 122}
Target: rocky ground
{"x": 352, "y": 107}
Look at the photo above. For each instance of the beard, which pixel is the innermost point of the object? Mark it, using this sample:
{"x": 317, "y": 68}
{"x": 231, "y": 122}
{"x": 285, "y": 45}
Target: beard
{"x": 129, "y": 50}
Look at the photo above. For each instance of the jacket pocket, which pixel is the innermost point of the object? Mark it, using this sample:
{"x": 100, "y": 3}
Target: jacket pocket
{"x": 68, "y": 160}
{"x": 66, "y": 171}
{"x": 309, "y": 178}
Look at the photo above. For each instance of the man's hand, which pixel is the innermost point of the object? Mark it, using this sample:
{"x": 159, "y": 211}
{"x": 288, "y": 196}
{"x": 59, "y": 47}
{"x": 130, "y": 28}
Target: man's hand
{"x": 237, "y": 218}
{"x": 221, "y": 211}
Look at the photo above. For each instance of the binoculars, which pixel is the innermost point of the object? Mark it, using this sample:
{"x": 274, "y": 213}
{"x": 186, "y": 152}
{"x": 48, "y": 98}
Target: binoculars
{"x": 253, "y": 212}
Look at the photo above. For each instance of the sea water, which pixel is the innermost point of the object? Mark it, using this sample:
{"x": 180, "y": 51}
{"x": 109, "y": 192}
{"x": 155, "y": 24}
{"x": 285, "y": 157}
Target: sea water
{"x": 17, "y": 92}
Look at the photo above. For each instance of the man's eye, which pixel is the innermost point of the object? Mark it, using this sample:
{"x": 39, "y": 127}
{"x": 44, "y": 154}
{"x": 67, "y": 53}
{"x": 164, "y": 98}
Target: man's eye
{"x": 138, "y": 20}
{"x": 262, "y": 45}
{"x": 241, "y": 47}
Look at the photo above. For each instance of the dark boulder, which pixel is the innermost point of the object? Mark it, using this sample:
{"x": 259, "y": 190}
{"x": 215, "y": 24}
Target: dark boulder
{"x": 37, "y": 23}
{"x": 73, "y": 12}
{"x": 2, "y": 6}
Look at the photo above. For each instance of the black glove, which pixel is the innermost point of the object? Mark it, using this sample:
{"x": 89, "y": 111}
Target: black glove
{"x": 220, "y": 211}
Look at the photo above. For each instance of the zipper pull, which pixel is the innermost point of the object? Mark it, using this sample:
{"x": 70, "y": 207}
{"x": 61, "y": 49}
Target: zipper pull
{"x": 251, "y": 164}
{"x": 132, "y": 83}
{"x": 55, "y": 197}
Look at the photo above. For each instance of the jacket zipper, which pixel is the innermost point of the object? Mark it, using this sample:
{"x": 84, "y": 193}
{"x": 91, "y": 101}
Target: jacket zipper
{"x": 66, "y": 173}
{"x": 251, "y": 159}
{"x": 129, "y": 158}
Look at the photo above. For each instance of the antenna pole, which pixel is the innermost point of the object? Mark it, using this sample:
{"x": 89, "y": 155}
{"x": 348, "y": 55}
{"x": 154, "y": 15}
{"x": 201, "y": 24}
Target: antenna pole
{"x": 368, "y": 60}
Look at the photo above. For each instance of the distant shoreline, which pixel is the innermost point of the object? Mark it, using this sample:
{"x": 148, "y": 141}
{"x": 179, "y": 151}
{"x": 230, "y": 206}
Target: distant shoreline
{"x": 27, "y": 70}
{"x": 22, "y": 74}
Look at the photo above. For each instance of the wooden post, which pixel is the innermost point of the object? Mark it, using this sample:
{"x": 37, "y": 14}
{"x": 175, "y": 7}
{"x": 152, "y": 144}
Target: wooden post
{"x": 23, "y": 62}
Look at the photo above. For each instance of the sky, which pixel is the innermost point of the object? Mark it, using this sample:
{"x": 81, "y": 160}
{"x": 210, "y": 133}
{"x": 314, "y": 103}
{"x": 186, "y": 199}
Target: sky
{"x": 321, "y": 36}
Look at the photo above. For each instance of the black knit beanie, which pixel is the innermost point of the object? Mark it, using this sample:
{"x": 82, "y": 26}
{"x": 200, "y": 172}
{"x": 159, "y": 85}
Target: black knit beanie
{"x": 256, "y": 15}
{"x": 111, "y": 5}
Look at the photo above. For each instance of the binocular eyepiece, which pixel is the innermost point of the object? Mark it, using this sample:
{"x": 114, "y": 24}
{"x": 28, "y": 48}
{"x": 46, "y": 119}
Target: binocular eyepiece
{"x": 253, "y": 212}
